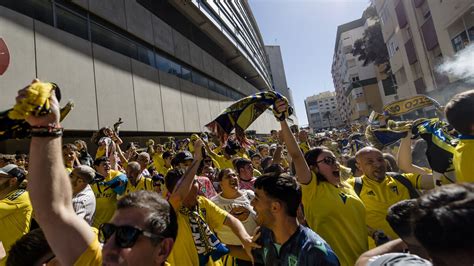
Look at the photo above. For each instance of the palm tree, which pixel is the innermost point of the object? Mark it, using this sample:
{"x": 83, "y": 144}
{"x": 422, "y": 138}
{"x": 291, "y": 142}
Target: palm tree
{"x": 327, "y": 115}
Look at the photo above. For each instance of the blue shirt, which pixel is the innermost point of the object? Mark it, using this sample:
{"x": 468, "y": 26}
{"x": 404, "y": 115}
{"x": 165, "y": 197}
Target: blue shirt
{"x": 304, "y": 247}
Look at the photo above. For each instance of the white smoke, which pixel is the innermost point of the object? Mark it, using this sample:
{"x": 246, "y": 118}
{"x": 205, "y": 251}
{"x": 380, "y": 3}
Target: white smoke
{"x": 461, "y": 65}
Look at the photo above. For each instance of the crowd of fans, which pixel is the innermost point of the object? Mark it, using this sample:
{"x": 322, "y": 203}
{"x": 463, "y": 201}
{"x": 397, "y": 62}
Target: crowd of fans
{"x": 288, "y": 199}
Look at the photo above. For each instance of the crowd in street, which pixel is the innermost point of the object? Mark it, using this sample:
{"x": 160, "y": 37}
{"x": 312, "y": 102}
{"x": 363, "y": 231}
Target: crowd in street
{"x": 287, "y": 199}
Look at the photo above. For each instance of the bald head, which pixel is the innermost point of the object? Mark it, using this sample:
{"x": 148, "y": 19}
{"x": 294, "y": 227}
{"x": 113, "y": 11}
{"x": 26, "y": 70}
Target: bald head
{"x": 371, "y": 163}
{"x": 133, "y": 170}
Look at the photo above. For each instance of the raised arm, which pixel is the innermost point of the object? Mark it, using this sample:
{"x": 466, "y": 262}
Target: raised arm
{"x": 184, "y": 186}
{"x": 303, "y": 173}
{"x": 404, "y": 158}
{"x": 51, "y": 194}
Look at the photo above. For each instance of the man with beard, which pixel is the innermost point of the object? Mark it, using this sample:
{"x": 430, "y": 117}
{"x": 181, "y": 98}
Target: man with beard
{"x": 284, "y": 241}
{"x": 380, "y": 190}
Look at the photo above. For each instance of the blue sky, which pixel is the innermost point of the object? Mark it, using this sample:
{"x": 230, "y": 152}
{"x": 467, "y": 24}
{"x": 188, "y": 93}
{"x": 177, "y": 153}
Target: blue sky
{"x": 306, "y": 32}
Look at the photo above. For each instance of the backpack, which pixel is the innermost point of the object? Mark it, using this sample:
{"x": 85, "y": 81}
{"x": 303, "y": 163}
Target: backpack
{"x": 397, "y": 176}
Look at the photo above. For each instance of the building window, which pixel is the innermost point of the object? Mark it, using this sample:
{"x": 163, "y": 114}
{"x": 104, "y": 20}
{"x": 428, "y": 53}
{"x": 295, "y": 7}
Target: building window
{"x": 392, "y": 45}
{"x": 72, "y": 22}
{"x": 355, "y": 78}
{"x": 461, "y": 40}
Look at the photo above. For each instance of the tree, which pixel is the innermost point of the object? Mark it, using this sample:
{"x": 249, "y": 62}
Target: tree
{"x": 371, "y": 47}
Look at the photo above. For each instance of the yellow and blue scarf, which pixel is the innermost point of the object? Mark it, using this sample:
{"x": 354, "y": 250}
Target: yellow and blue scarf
{"x": 241, "y": 114}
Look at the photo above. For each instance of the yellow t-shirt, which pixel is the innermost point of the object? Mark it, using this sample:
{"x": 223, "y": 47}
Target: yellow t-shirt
{"x": 158, "y": 160}
{"x": 145, "y": 183}
{"x": 378, "y": 197}
{"x": 256, "y": 173}
{"x": 184, "y": 251}
{"x": 106, "y": 200}
{"x": 338, "y": 216}
{"x": 15, "y": 218}
{"x": 223, "y": 162}
{"x": 304, "y": 146}
{"x": 463, "y": 161}
{"x": 163, "y": 170}
{"x": 92, "y": 255}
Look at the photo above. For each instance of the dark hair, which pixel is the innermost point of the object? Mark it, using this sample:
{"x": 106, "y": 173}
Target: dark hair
{"x": 393, "y": 166}
{"x": 241, "y": 163}
{"x": 459, "y": 112}
{"x": 69, "y": 146}
{"x": 220, "y": 176}
{"x": 100, "y": 160}
{"x": 399, "y": 217}
{"x": 266, "y": 162}
{"x": 274, "y": 168}
{"x": 162, "y": 217}
{"x": 444, "y": 219}
{"x": 311, "y": 158}
{"x": 166, "y": 155}
{"x": 351, "y": 163}
{"x": 283, "y": 188}
{"x": 256, "y": 154}
{"x": 29, "y": 249}
{"x": 172, "y": 178}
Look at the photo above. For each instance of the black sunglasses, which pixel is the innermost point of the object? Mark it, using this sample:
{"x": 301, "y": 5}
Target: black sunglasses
{"x": 125, "y": 235}
{"x": 329, "y": 160}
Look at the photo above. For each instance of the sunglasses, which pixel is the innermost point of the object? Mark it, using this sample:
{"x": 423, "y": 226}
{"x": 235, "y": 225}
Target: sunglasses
{"x": 125, "y": 235}
{"x": 329, "y": 160}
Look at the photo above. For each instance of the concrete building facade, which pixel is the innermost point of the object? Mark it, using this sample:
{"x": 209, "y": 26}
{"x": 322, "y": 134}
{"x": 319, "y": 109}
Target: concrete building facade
{"x": 322, "y": 111}
{"x": 420, "y": 35}
{"x": 356, "y": 85}
{"x": 164, "y": 67}
{"x": 278, "y": 76}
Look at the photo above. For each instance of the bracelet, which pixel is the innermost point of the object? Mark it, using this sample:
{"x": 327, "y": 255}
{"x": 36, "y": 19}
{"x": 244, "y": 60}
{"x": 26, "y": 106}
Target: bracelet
{"x": 49, "y": 131}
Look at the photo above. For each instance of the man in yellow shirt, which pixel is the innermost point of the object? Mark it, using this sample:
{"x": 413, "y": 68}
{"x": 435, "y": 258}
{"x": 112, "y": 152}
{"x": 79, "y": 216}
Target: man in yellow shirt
{"x": 106, "y": 197}
{"x": 196, "y": 243}
{"x": 163, "y": 169}
{"x": 141, "y": 231}
{"x": 15, "y": 207}
{"x": 459, "y": 112}
{"x": 136, "y": 179}
{"x": 380, "y": 190}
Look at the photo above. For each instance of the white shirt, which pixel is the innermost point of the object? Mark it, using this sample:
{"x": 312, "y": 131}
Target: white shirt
{"x": 241, "y": 206}
{"x": 84, "y": 204}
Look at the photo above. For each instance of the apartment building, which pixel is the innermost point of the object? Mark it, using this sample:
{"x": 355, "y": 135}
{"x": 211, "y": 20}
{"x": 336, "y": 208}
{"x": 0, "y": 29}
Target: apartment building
{"x": 420, "y": 35}
{"x": 356, "y": 85}
{"x": 322, "y": 111}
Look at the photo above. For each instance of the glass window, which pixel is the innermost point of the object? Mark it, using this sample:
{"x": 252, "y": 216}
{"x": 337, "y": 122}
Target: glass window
{"x": 460, "y": 41}
{"x": 146, "y": 55}
{"x": 40, "y": 10}
{"x": 186, "y": 74}
{"x": 113, "y": 41}
{"x": 162, "y": 63}
{"x": 200, "y": 80}
{"x": 72, "y": 22}
{"x": 175, "y": 68}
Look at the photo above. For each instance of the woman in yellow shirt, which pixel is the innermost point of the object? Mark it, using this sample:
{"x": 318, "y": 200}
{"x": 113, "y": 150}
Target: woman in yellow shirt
{"x": 331, "y": 207}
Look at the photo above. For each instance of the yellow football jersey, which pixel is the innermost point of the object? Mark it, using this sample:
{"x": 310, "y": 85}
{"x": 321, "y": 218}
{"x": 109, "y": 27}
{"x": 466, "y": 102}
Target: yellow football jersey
{"x": 463, "y": 161}
{"x": 15, "y": 218}
{"x": 338, "y": 215}
{"x": 378, "y": 197}
{"x": 106, "y": 200}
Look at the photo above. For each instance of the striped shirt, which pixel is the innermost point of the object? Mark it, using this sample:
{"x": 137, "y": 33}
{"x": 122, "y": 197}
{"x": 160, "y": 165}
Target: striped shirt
{"x": 84, "y": 204}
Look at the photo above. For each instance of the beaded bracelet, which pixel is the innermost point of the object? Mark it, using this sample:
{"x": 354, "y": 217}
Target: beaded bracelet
{"x": 49, "y": 131}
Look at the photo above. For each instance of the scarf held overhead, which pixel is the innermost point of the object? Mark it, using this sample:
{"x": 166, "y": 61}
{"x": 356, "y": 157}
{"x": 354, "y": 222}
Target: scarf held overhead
{"x": 241, "y": 114}
{"x": 404, "y": 106}
{"x": 36, "y": 102}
